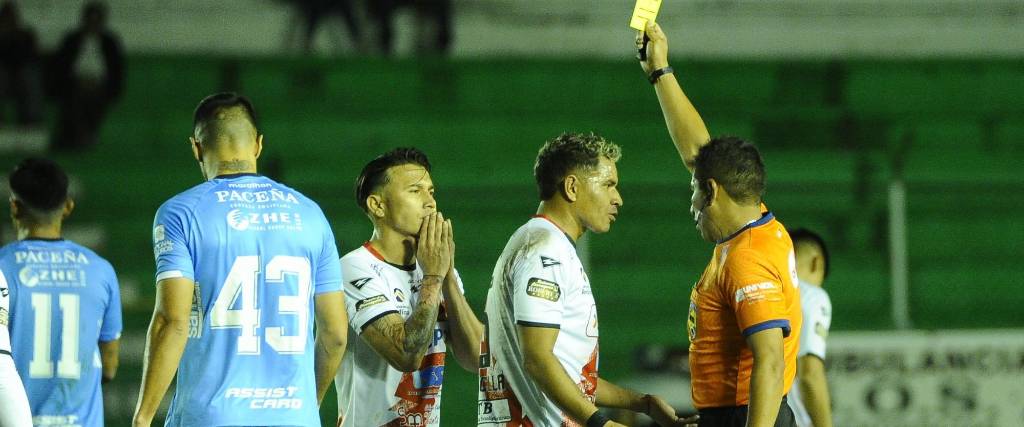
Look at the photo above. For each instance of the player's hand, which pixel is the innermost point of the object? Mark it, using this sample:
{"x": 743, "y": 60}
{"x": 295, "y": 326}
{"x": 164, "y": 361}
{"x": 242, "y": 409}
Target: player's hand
{"x": 657, "y": 48}
{"x": 432, "y": 249}
{"x": 690, "y": 421}
{"x": 663, "y": 413}
{"x": 450, "y": 282}
{"x": 451, "y": 246}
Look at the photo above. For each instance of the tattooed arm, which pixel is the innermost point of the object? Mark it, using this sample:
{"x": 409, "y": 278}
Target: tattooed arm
{"x": 403, "y": 343}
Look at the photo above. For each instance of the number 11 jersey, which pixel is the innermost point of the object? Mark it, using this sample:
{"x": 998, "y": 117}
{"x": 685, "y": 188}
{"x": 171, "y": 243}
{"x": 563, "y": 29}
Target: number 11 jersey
{"x": 257, "y": 252}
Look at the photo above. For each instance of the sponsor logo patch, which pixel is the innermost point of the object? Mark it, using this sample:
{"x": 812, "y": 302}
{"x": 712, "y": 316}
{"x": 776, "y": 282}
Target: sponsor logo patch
{"x": 262, "y": 221}
{"x": 543, "y": 289}
{"x": 755, "y": 292}
{"x": 370, "y": 302}
{"x": 3, "y": 316}
{"x": 359, "y": 283}
{"x": 548, "y": 262}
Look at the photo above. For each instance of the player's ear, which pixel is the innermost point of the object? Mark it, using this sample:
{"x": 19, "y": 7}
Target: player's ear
{"x": 571, "y": 187}
{"x": 197, "y": 150}
{"x": 69, "y": 205}
{"x": 712, "y": 191}
{"x": 375, "y": 206}
{"x": 259, "y": 144}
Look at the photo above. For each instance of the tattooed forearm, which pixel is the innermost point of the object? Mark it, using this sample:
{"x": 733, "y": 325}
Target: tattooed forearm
{"x": 419, "y": 328}
{"x": 403, "y": 342}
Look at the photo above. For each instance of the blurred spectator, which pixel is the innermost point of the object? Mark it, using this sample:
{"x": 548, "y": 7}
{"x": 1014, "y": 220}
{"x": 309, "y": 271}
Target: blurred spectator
{"x": 433, "y": 23}
{"x": 89, "y": 71}
{"x": 19, "y": 68}
{"x": 312, "y": 13}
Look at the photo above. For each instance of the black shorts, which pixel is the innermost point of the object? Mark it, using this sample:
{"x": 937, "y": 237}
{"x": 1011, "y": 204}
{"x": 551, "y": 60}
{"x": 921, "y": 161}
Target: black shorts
{"x": 736, "y": 416}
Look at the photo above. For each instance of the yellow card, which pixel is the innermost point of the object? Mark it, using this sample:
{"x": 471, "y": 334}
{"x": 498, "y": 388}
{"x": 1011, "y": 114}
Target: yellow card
{"x": 645, "y": 10}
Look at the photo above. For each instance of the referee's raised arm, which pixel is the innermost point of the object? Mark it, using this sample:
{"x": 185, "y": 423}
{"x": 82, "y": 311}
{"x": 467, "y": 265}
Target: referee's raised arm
{"x": 684, "y": 123}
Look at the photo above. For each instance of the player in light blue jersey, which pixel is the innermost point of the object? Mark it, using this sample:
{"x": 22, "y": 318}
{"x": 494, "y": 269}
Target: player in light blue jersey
{"x": 65, "y": 315}
{"x": 244, "y": 265}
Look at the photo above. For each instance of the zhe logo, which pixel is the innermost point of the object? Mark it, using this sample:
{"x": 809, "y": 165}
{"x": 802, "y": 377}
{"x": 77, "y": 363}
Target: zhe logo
{"x": 257, "y": 221}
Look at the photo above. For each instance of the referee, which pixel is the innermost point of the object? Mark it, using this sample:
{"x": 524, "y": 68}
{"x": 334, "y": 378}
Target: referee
{"x": 744, "y": 314}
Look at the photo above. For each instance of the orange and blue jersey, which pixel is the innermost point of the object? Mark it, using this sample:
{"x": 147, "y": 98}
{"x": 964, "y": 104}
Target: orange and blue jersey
{"x": 749, "y": 286}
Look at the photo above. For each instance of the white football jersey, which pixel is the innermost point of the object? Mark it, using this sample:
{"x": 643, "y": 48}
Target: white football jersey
{"x": 14, "y": 409}
{"x": 370, "y": 391}
{"x": 817, "y": 311}
{"x": 5, "y": 316}
{"x": 539, "y": 281}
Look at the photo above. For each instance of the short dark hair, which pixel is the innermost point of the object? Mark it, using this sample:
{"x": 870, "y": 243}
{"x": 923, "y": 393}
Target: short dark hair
{"x": 208, "y": 108}
{"x": 374, "y": 174}
{"x": 40, "y": 185}
{"x": 803, "y": 236}
{"x": 734, "y": 164}
{"x": 567, "y": 152}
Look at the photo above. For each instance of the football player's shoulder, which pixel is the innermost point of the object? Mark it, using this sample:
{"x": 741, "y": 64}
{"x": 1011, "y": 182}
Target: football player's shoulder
{"x": 301, "y": 198}
{"x": 744, "y": 257}
{"x": 6, "y": 251}
{"x": 815, "y": 295}
{"x": 357, "y": 256}
{"x": 92, "y": 256}
{"x": 188, "y": 199}
{"x": 546, "y": 237}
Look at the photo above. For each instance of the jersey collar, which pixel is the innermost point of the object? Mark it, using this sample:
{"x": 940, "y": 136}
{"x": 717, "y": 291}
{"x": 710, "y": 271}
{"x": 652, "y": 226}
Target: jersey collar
{"x": 369, "y": 248}
{"x": 765, "y": 218}
{"x": 545, "y": 217}
{"x": 235, "y": 175}
{"x": 43, "y": 239}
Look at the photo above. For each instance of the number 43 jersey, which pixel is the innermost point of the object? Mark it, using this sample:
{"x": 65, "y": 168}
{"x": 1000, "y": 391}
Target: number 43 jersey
{"x": 257, "y": 252}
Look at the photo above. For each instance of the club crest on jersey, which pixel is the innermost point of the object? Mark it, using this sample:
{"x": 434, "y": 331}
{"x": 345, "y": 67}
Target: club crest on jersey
{"x": 370, "y": 302}
{"x": 548, "y": 262}
{"x": 399, "y": 295}
{"x": 359, "y": 283}
{"x": 543, "y": 289}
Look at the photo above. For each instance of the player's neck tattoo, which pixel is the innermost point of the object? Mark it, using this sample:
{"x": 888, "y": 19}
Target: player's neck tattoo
{"x": 234, "y": 166}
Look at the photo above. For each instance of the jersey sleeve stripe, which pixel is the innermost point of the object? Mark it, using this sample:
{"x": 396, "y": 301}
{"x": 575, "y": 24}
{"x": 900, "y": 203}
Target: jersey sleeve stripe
{"x": 2, "y": 351}
{"x": 170, "y": 274}
{"x": 538, "y": 324}
{"x": 362, "y": 328}
{"x": 778, "y": 323}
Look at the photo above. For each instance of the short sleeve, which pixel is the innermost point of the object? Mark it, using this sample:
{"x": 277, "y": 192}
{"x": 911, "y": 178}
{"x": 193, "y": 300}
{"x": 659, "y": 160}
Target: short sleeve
{"x": 817, "y": 312}
{"x": 328, "y": 270}
{"x": 366, "y": 295}
{"x": 170, "y": 243}
{"x": 111, "y": 328}
{"x": 755, "y": 293}
{"x": 539, "y": 289}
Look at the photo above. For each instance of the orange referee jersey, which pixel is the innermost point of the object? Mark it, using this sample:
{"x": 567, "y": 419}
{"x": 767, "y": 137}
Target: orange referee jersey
{"x": 750, "y": 285}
